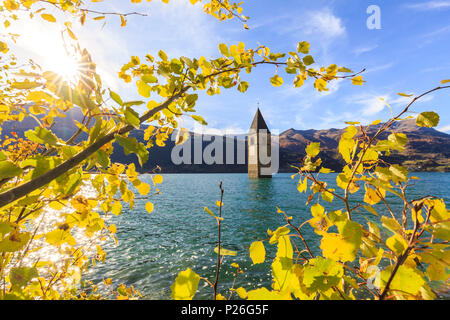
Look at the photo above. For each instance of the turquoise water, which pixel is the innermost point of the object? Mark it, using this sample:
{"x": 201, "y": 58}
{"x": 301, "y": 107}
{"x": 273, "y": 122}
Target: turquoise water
{"x": 179, "y": 234}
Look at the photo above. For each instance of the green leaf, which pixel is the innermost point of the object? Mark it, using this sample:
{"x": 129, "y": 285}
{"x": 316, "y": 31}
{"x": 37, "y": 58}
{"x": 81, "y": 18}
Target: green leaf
{"x": 42, "y": 136}
{"x": 313, "y": 149}
{"x": 391, "y": 224}
{"x": 276, "y": 80}
{"x": 428, "y": 119}
{"x": 398, "y": 139}
{"x": 224, "y": 49}
{"x": 132, "y": 117}
{"x": 72, "y": 183}
{"x": 308, "y": 60}
{"x": 20, "y": 276}
{"x": 399, "y": 173}
{"x": 115, "y": 97}
{"x": 303, "y": 47}
{"x": 406, "y": 280}
{"x": 243, "y": 86}
{"x": 257, "y": 252}
{"x": 143, "y": 89}
{"x": 322, "y": 274}
{"x": 162, "y": 55}
{"x": 149, "y": 78}
{"x": 185, "y": 285}
{"x": 131, "y": 145}
{"x": 102, "y": 158}
{"x": 397, "y": 244}
{"x": 133, "y": 103}
{"x": 14, "y": 242}
{"x": 282, "y": 265}
{"x": 199, "y": 119}
{"x": 9, "y": 170}
{"x": 191, "y": 99}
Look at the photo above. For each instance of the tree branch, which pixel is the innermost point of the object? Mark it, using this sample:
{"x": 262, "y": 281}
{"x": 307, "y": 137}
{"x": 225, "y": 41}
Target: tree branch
{"x": 18, "y": 192}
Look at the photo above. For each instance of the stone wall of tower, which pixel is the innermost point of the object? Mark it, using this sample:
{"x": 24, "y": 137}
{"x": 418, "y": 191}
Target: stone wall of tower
{"x": 266, "y": 173}
{"x": 253, "y": 159}
{"x": 255, "y": 163}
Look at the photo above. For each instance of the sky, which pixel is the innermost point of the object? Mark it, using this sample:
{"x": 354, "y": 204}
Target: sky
{"x": 409, "y": 53}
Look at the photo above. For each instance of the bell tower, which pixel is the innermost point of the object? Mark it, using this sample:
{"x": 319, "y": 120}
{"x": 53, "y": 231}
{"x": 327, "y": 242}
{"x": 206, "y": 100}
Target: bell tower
{"x": 259, "y": 148}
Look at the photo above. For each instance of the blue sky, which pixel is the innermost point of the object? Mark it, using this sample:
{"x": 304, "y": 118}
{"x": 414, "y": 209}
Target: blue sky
{"x": 410, "y": 53}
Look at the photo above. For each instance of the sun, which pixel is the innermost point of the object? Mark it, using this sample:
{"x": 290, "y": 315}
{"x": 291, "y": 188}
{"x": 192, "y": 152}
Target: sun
{"x": 65, "y": 65}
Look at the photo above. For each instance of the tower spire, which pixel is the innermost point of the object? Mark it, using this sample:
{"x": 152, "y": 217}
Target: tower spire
{"x": 259, "y": 148}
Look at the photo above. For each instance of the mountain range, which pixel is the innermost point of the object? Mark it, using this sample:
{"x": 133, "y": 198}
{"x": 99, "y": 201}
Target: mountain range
{"x": 427, "y": 149}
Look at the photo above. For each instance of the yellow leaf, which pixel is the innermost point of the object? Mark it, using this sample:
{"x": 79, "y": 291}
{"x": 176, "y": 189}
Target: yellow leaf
{"x": 276, "y": 81}
{"x": 278, "y": 233}
{"x": 397, "y": 244}
{"x": 257, "y": 252}
{"x": 116, "y": 208}
{"x": 371, "y": 196}
{"x": 264, "y": 294}
{"x": 3, "y": 47}
{"x": 242, "y": 293}
{"x": 123, "y": 21}
{"x": 225, "y": 252}
{"x": 143, "y": 188}
{"x": 357, "y": 81}
{"x": 320, "y": 85}
{"x": 282, "y": 265}
{"x": 302, "y": 186}
{"x": 149, "y": 207}
{"x": 59, "y": 236}
{"x": 48, "y": 17}
{"x": 185, "y": 285}
{"x": 343, "y": 246}
{"x": 112, "y": 228}
{"x": 158, "y": 179}
{"x": 71, "y": 34}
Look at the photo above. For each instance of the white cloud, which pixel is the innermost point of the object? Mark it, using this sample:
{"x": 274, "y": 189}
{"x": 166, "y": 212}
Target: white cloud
{"x": 372, "y": 104}
{"x": 324, "y": 23}
{"x": 429, "y": 5}
{"x": 444, "y": 128}
{"x": 379, "y": 67}
{"x": 319, "y": 23}
{"x": 364, "y": 49}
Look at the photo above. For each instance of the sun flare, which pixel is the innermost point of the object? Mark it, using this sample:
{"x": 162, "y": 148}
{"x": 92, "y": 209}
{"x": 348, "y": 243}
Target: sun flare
{"x": 49, "y": 50}
{"x": 66, "y": 66}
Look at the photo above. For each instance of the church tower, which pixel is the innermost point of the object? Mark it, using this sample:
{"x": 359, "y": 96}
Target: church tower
{"x": 259, "y": 148}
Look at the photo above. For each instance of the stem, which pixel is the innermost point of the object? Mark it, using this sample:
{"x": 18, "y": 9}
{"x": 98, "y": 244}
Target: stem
{"x": 218, "y": 250}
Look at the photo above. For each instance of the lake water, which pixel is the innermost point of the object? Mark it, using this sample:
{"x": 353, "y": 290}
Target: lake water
{"x": 154, "y": 248}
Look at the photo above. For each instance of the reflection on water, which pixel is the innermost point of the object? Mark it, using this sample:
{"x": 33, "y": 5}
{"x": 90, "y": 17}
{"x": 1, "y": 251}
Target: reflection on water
{"x": 178, "y": 234}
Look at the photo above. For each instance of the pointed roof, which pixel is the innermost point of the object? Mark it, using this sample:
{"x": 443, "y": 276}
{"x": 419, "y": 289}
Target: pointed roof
{"x": 258, "y": 122}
